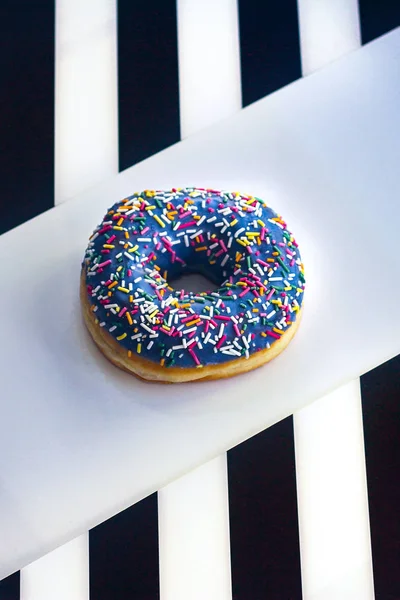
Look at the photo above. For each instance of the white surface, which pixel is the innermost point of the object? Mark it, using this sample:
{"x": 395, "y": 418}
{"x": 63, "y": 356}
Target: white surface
{"x": 209, "y": 63}
{"x": 330, "y": 467}
{"x": 329, "y": 29}
{"x": 82, "y": 440}
{"x": 86, "y": 134}
{"x": 332, "y": 496}
{"x": 61, "y": 575}
{"x": 194, "y": 535}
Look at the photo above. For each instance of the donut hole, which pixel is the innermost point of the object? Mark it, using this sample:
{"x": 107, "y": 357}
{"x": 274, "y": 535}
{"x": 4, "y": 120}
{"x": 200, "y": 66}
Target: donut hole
{"x": 193, "y": 282}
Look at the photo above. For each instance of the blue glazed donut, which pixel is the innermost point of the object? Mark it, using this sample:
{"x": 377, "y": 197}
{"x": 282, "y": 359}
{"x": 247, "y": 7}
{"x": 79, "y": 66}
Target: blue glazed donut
{"x": 149, "y": 239}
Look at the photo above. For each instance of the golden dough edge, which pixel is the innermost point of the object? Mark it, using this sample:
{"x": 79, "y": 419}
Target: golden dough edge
{"x": 149, "y": 371}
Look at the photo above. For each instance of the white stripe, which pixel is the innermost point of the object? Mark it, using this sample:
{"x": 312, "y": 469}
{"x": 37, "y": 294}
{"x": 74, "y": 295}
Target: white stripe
{"x": 209, "y": 62}
{"x": 60, "y": 575}
{"x": 332, "y": 495}
{"x": 329, "y": 29}
{"x": 86, "y": 136}
{"x": 193, "y": 511}
{"x": 194, "y": 535}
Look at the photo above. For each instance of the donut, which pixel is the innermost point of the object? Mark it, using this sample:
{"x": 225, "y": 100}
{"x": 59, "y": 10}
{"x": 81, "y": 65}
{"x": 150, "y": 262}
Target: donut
{"x": 147, "y": 241}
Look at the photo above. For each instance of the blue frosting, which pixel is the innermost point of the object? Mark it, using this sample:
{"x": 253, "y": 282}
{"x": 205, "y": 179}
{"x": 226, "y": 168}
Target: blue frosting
{"x": 151, "y": 238}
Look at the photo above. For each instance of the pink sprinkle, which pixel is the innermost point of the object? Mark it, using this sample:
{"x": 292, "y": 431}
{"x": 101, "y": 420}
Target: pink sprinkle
{"x": 207, "y": 326}
{"x": 262, "y": 233}
{"x": 111, "y": 239}
{"x": 223, "y": 245}
{"x": 236, "y": 328}
{"x": 122, "y": 311}
{"x": 221, "y": 341}
{"x": 244, "y": 292}
{"x": 221, "y": 318}
{"x": 190, "y": 318}
{"x": 145, "y": 230}
{"x": 103, "y": 264}
{"x": 292, "y": 262}
{"x": 270, "y": 293}
{"x": 273, "y": 334}
{"x": 193, "y": 355}
{"x": 262, "y": 262}
{"x": 105, "y": 228}
{"x": 189, "y": 224}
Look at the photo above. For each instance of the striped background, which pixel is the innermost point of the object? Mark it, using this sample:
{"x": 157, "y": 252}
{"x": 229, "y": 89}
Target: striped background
{"x": 271, "y": 549}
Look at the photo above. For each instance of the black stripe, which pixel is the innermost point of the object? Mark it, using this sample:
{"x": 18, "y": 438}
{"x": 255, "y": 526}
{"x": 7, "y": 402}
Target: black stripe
{"x": 265, "y": 549}
{"x": 378, "y": 17}
{"x": 123, "y": 555}
{"x": 269, "y": 46}
{"x": 10, "y": 587}
{"x": 27, "y": 110}
{"x": 148, "y": 88}
{"x": 380, "y": 391}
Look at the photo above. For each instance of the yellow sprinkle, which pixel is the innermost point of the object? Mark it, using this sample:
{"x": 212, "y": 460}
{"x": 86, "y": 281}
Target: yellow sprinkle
{"x": 157, "y": 218}
{"x": 123, "y": 289}
{"x": 119, "y": 268}
{"x": 139, "y": 347}
{"x": 118, "y": 228}
{"x": 190, "y": 323}
{"x": 277, "y": 330}
{"x": 300, "y": 290}
{"x": 96, "y": 321}
{"x": 108, "y": 246}
{"x": 131, "y": 298}
{"x": 133, "y": 249}
{"x": 252, "y": 233}
{"x": 162, "y": 362}
{"x": 129, "y": 353}
{"x": 288, "y": 288}
{"x": 120, "y": 221}
{"x": 151, "y": 207}
{"x": 234, "y": 222}
{"x": 241, "y": 242}
{"x": 261, "y": 222}
{"x": 157, "y": 268}
{"x": 263, "y": 334}
{"x": 128, "y": 316}
{"x": 201, "y": 248}
{"x": 113, "y": 284}
{"x": 127, "y": 235}
{"x": 255, "y": 310}
{"x": 154, "y": 314}
{"x": 122, "y": 336}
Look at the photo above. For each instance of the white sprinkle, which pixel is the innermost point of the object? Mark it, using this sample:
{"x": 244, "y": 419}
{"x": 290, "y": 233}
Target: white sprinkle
{"x": 239, "y": 231}
{"x": 149, "y": 345}
{"x": 225, "y": 259}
